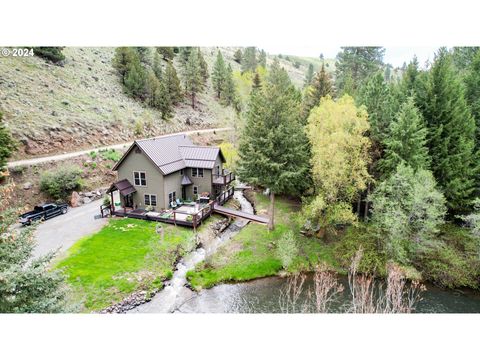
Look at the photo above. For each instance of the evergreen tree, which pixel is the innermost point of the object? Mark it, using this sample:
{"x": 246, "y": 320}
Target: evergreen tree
{"x": 472, "y": 93}
{"x": 157, "y": 95}
{"x": 237, "y": 56}
{"x": 375, "y": 95}
{"x": 257, "y": 82}
{"x": 193, "y": 76}
{"x": 123, "y": 58}
{"x": 203, "y": 66}
{"x": 249, "y": 59}
{"x": 166, "y": 52}
{"x": 135, "y": 80}
{"x": 157, "y": 66}
{"x": 463, "y": 56}
{"x": 309, "y": 75}
{"x": 54, "y": 54}
{"x": 173, "y": 84}
{"x": 354, "y": 65}
{"x": 320, "y": 87}
{"x": 26, "y": 285}
{"x": 144, "y": 54}
{"x": 228, "y": 91}
{"x": 219, "y": 74}
{"x": 273, "y": 148}
{"x": 407, "y": 142}
{"x": 184, "y": 54}
{"x": 262, "y": 58}
{"x": 7, "y": 145}
{"x": 451, "y": 137}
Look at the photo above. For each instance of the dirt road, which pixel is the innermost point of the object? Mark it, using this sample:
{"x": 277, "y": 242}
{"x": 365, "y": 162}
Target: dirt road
{"x": 40, "y": 160}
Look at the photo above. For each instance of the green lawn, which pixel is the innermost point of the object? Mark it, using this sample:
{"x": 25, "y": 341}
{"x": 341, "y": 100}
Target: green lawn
{"x": 251, "y": 253}
{"x": 123, "y": 257}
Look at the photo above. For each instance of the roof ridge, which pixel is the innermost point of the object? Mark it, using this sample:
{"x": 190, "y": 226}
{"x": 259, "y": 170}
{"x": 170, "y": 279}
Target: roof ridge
{"x": 200, "y": 146}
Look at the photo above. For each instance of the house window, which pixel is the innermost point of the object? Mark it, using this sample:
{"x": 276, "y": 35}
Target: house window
{"x": 195, "y": 190}
{"x": 181, "y": 172}
{"x": 197, "y": 172}
{"x": 150, "y": 200}
{"x": 218, "y": 170}
{"x": 139, "y": 178}
{"x": 172, "y": 197}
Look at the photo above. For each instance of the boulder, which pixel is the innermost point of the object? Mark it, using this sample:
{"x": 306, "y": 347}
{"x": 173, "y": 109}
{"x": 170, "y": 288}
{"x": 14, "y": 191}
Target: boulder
{"x": 87, "y": 200}
{"x": 89, "y": 194}
{"x": 27, "y": 186}
{"x": 75, "y": 199}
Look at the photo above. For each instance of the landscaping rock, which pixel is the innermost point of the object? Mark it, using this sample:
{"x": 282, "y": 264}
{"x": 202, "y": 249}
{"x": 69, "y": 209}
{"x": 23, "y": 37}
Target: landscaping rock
{"x": 75, "y": 199}
{"x": 130, "y": 302}
{"x": 27, "y": 186}
{"x": 86, "y": 200}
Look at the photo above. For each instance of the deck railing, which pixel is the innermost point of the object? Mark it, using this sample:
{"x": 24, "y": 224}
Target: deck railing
{"x": 224, "y": 178}
{"x": 224, "y": 196}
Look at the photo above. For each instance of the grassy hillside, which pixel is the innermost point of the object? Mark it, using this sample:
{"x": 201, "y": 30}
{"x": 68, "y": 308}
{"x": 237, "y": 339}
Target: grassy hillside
{"x": 52, "y": 109}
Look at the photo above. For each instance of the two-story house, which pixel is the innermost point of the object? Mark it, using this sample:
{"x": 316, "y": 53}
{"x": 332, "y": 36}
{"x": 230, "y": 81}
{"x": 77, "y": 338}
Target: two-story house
{"x": 155, "y": 172}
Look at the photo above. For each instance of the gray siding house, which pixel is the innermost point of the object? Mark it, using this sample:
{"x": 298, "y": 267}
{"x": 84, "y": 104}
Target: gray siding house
{"x": 155, "y": 172}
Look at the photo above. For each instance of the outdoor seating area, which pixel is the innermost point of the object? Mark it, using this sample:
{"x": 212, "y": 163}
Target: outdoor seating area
{"x": 182, "y": 212}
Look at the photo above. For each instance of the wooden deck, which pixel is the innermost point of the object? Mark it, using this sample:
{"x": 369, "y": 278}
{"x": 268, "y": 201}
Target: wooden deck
{"x": 231, "y": 212}
{"x": 180, "y": 216}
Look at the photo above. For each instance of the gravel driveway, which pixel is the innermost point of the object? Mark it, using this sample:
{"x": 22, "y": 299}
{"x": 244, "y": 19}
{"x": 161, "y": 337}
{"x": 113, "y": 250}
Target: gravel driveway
{"x": 61, "y": 232}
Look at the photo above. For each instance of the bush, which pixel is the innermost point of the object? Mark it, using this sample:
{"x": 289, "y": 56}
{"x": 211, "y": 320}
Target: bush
{"x": 110, "y": 154}
{"x": 61, "y": 182}
{"x": 54, "y": 54}
{"x": 446, "y": 266}
{"x": 287, "y": 249}
{"x": 373, "y": 260}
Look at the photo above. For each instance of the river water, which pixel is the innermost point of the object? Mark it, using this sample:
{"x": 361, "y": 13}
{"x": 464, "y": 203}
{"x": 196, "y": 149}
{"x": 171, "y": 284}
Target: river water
{"x": 262, "y": 295}
{"x": 176, "y": 294}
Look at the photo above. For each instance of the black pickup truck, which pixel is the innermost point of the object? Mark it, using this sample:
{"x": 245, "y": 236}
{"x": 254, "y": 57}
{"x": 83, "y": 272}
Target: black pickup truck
{"x": 43, "y": 212}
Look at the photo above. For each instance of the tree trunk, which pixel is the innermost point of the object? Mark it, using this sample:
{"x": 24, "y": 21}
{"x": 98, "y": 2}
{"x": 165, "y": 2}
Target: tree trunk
{"x": 365, "y": 216}
{"x": 271, "y": 211}
{"x": 359, "y": 202}
{"x": 193, "y": 100}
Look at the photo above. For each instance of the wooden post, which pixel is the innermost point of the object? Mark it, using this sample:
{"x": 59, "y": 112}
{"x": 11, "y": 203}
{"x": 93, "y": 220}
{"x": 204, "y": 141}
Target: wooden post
{"x": 174, "y": 218}
{"x": 112, "y": 203}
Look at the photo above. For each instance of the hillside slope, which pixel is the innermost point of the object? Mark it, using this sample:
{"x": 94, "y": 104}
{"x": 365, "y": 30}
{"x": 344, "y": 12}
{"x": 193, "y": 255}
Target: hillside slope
{"x": 53, "y": 109}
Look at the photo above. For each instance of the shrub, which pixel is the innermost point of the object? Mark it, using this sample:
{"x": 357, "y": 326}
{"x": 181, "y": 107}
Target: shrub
{"x": 446, "y": 266}
{"x": 54, "y": 54}
{"x": 138, "y": 127}
{"x": 110, "y": 154}
{"x": 93, "y": 155}
{"x": 287, "y": 249}
{"x": 61, "y": 182}
{"x": 362, "y": 236}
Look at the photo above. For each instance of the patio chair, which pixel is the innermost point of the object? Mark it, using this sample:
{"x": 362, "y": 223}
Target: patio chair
{"x": 179, "y": 202}
{"x": 173, "y": 204}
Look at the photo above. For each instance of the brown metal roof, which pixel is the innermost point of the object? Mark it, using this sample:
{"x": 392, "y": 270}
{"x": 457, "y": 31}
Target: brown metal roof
{"x": 175, "y": 152}
{"x": 123, "y": 186}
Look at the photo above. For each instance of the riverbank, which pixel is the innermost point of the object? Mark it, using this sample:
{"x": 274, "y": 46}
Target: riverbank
{"x": 252, "y": 253}
{"x": 450, "y": 261}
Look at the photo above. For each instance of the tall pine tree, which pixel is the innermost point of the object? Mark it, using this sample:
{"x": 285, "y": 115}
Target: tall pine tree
{"x": 193, "y": 77}
{"x": 451, "y": 139}
{"x": 173, "y": 84}
{"x": 309, "y": 75}
{"x": 273, "y": 147}
{"x": 219, "y": 74}
{"x": 407, "y": 142}
{"x": 320, "y": 87}
{"x": 354, "y": 65}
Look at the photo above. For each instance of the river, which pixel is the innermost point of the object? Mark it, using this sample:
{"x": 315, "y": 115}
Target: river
{"x": 262, "y": 295}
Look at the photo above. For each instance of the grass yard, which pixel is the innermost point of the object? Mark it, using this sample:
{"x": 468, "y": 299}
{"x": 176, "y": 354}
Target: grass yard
{"x": 125, "y": 256}
{"x": 252, "y": 252}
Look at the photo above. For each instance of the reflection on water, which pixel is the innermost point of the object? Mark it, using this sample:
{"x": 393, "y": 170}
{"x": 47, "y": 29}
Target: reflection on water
{"x": 262, "y": 296}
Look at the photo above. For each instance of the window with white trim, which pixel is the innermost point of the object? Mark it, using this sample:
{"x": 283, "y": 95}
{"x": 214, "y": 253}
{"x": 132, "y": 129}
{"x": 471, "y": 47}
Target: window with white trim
{"x": 197, "y": 172}
{"x": 195, "y": 190}
{"x": 151, "y": 199}
{"x": 140, "y": 178}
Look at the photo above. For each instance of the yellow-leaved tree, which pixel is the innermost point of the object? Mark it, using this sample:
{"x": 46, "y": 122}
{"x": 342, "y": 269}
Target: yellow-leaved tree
{"x": 339, "y": 160}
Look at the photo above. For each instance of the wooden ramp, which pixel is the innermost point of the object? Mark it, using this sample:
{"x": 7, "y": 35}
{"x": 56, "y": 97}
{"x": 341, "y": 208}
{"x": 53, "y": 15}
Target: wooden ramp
{"x": 231, "y": 212}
